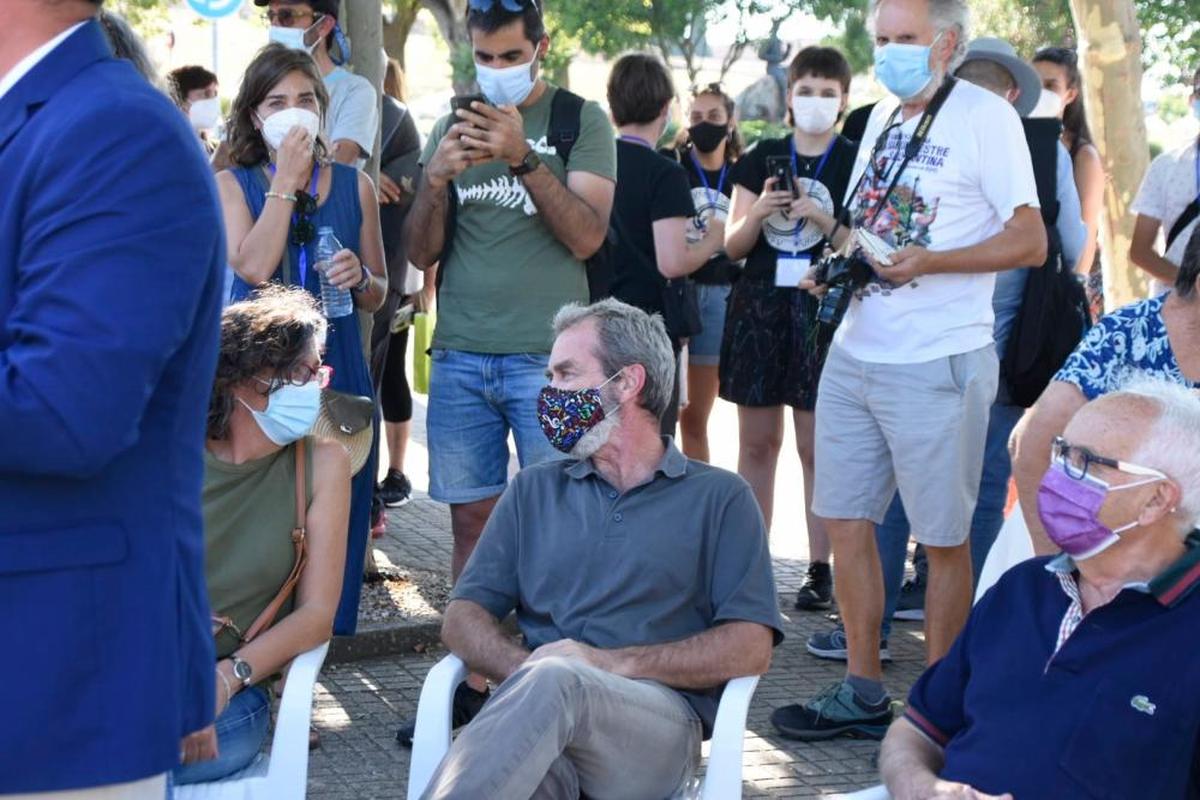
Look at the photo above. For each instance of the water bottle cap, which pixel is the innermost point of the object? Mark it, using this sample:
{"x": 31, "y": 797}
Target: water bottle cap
{"x": 325, "y": 229}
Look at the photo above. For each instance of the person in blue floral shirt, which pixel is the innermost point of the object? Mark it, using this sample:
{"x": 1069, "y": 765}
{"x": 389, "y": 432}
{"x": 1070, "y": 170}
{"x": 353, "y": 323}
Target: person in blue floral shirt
{"x": 1159, "y": 336}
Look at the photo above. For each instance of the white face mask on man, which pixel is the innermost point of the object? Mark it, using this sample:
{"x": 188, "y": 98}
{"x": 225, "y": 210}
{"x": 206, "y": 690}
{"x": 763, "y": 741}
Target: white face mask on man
{"x": 506, "y": 86}
{"x": 293, "y": 37}
{"x": 276, "y": 126}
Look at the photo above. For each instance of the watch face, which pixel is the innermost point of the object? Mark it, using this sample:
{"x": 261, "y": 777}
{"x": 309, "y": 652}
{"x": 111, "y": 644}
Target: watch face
{"x": 242, "y": 670}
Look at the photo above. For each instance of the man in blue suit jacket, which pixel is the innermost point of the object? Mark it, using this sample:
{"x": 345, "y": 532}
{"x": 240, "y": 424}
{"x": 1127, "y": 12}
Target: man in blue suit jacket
{"x": 110, "y": 271}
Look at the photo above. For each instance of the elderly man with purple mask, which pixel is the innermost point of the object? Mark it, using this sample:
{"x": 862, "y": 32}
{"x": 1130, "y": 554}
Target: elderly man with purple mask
{"x": 1078, "y": 675}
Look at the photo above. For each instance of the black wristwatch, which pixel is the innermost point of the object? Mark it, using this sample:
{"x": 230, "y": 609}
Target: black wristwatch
{"x": 365, "y": 283}
{"x": 528, "y": 164}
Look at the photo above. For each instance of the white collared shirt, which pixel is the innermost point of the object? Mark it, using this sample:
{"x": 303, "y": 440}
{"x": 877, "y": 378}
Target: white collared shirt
{"x": 30, "y": 61}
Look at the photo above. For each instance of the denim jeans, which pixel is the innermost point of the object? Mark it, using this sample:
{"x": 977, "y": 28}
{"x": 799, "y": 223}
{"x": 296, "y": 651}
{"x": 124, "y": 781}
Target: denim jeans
{"x": 892, "y": 535}
{"x": 475, "y": 401}
{"x": 241, "y": 731}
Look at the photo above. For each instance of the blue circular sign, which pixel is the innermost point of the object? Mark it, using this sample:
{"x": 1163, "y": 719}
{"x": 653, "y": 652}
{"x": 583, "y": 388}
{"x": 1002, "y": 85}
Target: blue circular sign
{"x": 214, "y": 9}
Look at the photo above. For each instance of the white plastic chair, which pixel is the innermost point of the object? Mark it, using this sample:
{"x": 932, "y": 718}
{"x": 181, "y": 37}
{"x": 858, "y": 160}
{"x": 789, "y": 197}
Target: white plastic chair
{"x": 284, "y": 774}
{"x": 1012, "y": 546}
{"x": 431, "y": 740}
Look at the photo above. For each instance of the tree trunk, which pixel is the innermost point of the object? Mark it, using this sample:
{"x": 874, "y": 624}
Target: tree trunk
{"x": 1110, "y": 53}
{"x": 395, "y": 33}
{"x": 364, "y": 27}
{"x": 451, "y": 16}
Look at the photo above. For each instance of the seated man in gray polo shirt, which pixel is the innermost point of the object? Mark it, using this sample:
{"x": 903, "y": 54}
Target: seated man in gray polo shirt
{"x": 641, "y": 582}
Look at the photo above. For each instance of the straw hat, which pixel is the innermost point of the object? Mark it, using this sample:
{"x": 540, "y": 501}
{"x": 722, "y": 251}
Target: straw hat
{"x": 349, "y": 420}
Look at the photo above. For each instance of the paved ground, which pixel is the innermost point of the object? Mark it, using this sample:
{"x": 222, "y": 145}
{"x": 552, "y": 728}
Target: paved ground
{"x": 360, "y": 705}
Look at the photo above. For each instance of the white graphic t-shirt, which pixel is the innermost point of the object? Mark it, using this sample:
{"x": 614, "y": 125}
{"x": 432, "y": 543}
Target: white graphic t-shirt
{"x": 970, "y": 176}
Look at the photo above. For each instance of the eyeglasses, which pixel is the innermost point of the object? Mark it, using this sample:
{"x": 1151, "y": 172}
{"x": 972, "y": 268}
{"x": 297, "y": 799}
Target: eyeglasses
{"x": 303, "y": 375}
{"x": 512, "y": 6}
{"x": 284, "y": 17}
{"x": 303, "y": 230}
{"x": 1076, "y": 460}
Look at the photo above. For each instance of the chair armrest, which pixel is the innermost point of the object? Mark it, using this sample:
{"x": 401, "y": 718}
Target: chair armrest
{"x": 723, "y": 778}
{"x": 287, "y": 773}
{"x": 431, "y": 739}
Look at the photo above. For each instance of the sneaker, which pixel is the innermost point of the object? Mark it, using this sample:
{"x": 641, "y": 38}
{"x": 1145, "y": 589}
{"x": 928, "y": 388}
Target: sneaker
{"x": 467, "y": 705}
{"x": 395, "y": 491}
{"x": 831, "y": 644}
{"x": 836, "y": 711}
{"x": 911, "y": 604}
{"x": 817, "y": 592}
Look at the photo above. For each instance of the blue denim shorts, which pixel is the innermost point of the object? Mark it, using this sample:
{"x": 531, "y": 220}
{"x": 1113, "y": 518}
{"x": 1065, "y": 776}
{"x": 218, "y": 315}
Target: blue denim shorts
{"x": 704, "y": 350}
{"x": 475, "y": 401}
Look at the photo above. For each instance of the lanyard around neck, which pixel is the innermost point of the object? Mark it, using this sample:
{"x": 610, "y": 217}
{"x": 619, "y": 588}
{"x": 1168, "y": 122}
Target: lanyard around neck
{"x": 631, "y": 139}
{"x": 312, "y": 191}
{"x": 796, "y": 170}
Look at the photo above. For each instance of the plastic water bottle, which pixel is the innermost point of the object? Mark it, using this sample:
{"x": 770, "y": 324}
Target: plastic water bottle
{"x": 335, "y": 302}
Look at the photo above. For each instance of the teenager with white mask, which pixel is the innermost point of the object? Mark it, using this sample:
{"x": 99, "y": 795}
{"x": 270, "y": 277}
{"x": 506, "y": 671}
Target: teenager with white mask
{"x": 283, "y": 189}
{"x": 265, "y": 398}
{"x": 773, "y": 351}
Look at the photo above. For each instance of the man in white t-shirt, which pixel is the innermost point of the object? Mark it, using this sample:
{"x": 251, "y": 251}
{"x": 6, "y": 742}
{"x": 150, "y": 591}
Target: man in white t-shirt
{"x": 904, "y": 398}
{"x": 1165, "y": 202}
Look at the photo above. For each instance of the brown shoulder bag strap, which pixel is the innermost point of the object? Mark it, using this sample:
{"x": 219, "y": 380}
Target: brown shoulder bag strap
{"x": 299, "y": 537}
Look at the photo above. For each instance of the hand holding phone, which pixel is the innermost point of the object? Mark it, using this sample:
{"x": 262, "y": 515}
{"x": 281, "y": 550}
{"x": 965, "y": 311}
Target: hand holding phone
{"x": 780, "y": 168}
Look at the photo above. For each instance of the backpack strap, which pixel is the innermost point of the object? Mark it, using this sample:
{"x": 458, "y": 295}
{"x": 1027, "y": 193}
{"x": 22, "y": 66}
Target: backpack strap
{"x": 566, "y": 119}
{"x": 299, "y": 544}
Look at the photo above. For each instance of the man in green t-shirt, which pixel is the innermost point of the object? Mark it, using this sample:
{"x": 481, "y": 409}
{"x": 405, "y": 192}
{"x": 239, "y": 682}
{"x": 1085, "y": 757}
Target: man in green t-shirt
{"x": 524, "y": 224}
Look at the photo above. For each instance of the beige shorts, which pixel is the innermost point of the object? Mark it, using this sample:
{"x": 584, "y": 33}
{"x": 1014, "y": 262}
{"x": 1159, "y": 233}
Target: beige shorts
{"x": 919, "y": 428}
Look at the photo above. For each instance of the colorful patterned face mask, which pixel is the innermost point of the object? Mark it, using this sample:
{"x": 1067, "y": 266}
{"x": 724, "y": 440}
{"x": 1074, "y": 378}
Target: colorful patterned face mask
{"x": 567, "y": 414}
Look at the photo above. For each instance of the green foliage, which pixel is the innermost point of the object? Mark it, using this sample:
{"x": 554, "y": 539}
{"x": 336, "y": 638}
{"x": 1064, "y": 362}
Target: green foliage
{"x": 855, "y": 42}
{"x": 462, "y": 63}
{"x": 755, "y": 130}
{"x": 147, "y": 17}
{"x": 1172, "y": 31}
{"x": 1028, "y": 24}
{"x": 1172, "y": 107}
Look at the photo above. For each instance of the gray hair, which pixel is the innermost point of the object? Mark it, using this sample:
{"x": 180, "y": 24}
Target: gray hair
{"x": 946, "y": 15}
{"x": 628, "y": 336}
{"x": 128, "y": 46}
{"x": 1173, "y": 442}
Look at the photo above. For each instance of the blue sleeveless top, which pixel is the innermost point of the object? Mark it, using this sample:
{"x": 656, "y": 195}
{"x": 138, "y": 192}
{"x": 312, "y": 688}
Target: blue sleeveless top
{"x": 342, "y": 212}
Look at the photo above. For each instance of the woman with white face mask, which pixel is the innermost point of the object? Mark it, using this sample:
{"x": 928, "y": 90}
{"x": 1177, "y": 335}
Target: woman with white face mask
{"x": 772, "y": 351}
{"x": 265, "y": 398}
{"x": 281, "y": 193}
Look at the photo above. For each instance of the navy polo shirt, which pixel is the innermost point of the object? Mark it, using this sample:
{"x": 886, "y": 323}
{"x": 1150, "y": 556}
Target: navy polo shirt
{"x": 1115, "y": 713}
{"x": 577, "y": 559}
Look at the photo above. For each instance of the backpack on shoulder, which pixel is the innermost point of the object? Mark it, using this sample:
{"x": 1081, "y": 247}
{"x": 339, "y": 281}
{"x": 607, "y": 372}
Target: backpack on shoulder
{"x": 566, "y": 112}
{"x": 1054, "y": 313}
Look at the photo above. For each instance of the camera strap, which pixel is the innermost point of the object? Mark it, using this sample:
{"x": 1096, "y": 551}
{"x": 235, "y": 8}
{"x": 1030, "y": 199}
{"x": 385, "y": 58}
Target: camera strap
{"x": 911, "y": 149}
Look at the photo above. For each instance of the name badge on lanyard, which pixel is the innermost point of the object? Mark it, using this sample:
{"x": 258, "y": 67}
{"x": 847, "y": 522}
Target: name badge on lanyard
{"x": 791, "y": 269}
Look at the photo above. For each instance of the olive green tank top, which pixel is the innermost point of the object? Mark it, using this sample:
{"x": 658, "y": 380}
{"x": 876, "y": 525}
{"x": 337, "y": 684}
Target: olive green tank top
{"x": 249, "y": 514}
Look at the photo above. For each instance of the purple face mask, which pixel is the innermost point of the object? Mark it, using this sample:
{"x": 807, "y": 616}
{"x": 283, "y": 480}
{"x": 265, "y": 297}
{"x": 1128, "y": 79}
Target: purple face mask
{"x": 1069, "y": 508}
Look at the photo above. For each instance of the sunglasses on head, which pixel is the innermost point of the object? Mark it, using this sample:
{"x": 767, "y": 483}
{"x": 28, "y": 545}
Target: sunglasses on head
{"x": 512, "y": 6}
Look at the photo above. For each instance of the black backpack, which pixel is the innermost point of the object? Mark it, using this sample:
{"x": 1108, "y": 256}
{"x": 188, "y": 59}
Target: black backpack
{"x": 1054, "y": 312}
{"x": 566, "y": 110}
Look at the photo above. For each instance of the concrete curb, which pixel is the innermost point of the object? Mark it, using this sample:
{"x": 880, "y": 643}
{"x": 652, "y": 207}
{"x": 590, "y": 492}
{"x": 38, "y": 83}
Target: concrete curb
{"x": 384, "y": 639}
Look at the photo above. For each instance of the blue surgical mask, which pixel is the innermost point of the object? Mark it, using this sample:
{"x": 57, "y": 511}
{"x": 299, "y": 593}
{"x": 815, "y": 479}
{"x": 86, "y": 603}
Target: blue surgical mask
{"x": 904, "y": 69}
{"x": 508, "y": 86}
{"x": 291, "y": 412}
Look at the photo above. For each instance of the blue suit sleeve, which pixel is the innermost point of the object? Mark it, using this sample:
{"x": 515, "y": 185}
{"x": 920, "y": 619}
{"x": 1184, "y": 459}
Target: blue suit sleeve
{"x": 119, "y": 240}
{"x": 1071, "y": 230}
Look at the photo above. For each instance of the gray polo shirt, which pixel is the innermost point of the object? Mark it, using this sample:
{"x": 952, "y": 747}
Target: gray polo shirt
{"x": 353, "y": 110}
{"x": 667, "y": 560}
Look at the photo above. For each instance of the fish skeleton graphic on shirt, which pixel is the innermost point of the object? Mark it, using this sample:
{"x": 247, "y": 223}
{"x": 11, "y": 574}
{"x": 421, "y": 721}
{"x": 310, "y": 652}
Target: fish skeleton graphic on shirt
{"x": 505, "y": 191}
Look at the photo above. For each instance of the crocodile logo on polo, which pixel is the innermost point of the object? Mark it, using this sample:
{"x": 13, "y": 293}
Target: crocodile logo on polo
{"x": 1142, "y": 703}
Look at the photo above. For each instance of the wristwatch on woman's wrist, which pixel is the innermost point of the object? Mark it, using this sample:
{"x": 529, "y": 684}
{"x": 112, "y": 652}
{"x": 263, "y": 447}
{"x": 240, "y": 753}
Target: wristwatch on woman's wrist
{"x": 241, "y": 669}
{"x": 365, "y": 283}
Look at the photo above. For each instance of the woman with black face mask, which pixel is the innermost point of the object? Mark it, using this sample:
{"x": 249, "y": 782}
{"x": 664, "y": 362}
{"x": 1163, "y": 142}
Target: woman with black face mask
{"x": 707, "y": 150}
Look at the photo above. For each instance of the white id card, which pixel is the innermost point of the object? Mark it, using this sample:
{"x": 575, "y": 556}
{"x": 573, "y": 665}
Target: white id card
{"x": 790, "y": 270}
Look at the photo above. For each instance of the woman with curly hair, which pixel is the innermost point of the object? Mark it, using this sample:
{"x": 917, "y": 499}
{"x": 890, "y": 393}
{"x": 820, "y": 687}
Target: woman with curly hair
{"x": 283, "y": 190}
{"x": 265, "y": 398}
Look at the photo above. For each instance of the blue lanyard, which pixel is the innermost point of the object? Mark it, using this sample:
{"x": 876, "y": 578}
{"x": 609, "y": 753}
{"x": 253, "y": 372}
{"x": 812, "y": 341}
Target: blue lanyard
{"x": 708, "y": 190}
{"x": 312, "y": 190}
{"x": 815, "y": 175}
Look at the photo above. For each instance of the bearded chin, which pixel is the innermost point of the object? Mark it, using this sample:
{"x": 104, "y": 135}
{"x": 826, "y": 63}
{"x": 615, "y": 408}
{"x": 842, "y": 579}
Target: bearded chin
{"x": 596, "y": 438}
{"x": 935, "y": 83}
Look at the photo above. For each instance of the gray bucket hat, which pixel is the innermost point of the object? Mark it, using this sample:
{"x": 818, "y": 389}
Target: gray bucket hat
{"x": 988, "y": 48}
